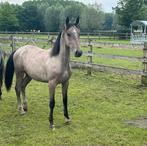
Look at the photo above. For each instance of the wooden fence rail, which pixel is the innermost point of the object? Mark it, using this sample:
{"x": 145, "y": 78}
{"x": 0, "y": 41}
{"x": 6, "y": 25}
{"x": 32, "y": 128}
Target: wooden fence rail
{"x": 105, "y": 68}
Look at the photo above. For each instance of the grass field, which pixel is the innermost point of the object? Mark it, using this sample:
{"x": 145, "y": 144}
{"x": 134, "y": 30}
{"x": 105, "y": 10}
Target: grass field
{"x": 99, "y": 106}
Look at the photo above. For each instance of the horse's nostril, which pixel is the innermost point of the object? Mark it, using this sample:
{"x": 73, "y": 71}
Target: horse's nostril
{"x": 78, "y": 53}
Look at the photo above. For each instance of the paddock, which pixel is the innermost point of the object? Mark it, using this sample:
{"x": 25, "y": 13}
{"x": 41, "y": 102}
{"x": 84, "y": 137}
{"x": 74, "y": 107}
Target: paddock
{"x": 101, "y": 107}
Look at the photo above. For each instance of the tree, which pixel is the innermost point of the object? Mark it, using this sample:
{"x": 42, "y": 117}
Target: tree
{"x": 128, "y": 11}
{"x": 8, "y": 19}
{"x": 52, "y": 18}
{"x": 73, "y": 11}
{"x": 145, "y": 2}
{"x": 41, "y": 10}
{"x": 108, "y": 21}
{"x": 28, "y": 16}
{"x": 91, "y": 18}
{"x": 49, "y": 15}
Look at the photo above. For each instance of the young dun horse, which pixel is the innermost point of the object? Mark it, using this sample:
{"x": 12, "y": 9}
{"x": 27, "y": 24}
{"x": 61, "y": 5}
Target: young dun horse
{"x": 52, "y": 67}
{"x": 2, "y": 56}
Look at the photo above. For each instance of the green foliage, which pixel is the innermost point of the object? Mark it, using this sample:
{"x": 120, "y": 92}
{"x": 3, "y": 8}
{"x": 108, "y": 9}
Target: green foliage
{"x": 8, "y": 19}
{"x": 52, "y": 18}
{"x": 92, "y": 18}
{"x": 49, "y": 15}
{"x": 145, "y": 12}
{"x": 107, "y": 25}
{"x": 28, "y": 16}
{"x": 41, "y": 14}
{"x": 145, "y": 2}
{"x": 128, "y": 11}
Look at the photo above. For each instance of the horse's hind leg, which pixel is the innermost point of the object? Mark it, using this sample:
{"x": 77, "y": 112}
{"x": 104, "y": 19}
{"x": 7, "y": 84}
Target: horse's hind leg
{"x": 65, "y": 100}
{"x": 25, "y": 81}
{"x": 19, "y": 78}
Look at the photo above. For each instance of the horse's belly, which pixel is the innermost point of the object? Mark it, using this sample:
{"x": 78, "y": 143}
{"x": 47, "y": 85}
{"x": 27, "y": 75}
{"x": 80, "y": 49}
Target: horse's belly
{"x": 40, "y": 76}
{"x": 43, "y": 72}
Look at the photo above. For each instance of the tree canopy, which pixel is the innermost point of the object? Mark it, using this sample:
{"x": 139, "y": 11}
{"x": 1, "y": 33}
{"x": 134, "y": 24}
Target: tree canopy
{"x": 8, "y": 18}
{"x": 49, "y": 15}
{"x": 128, "y": 11}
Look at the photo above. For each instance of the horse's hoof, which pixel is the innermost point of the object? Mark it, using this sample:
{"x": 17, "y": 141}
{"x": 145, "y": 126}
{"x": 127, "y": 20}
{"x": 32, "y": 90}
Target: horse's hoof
{"x": 22, "y": 113}
{"x": 67, "y": 120}
{"x": 52, "y": 127}
{"x": 25, "y": 109}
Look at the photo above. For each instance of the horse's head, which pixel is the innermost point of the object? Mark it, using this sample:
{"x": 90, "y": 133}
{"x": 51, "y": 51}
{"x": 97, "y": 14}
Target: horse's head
{"x": 71, "y": 34}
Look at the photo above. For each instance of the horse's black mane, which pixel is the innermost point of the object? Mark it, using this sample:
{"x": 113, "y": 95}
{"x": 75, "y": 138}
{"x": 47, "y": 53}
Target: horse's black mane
{"x": 56, "y": 48}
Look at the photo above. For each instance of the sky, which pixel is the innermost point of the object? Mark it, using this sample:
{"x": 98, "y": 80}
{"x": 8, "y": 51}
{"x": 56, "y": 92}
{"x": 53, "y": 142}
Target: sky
{"x": 106, "y": 4}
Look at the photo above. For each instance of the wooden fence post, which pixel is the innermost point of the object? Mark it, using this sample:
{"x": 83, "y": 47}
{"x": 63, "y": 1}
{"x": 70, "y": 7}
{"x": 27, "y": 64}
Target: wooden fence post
{"x": 144, "y": 62}
{"x": 89, "y": 70}
{"x": 12, "y": 43}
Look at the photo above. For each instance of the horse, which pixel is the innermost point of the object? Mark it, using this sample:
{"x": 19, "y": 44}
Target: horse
{"x": 50, "y": 66}
{"x": 2, "y": 57}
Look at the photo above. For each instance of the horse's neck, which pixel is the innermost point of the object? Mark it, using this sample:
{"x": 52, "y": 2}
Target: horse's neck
{"x": 64, "y": 54}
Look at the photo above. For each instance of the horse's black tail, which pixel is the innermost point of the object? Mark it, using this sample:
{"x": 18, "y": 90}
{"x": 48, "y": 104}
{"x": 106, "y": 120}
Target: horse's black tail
{"x": 9, "y": 72}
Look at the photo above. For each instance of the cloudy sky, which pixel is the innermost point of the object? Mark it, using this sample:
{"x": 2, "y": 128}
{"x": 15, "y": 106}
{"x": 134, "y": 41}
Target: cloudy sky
{"x": 106, "y": 4}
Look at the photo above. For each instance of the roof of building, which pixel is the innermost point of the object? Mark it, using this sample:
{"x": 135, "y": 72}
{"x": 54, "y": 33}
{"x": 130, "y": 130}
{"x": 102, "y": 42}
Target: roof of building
{"x": 139, "y": 22}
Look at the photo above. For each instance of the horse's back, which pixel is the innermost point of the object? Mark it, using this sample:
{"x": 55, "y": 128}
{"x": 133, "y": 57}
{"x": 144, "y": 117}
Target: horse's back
{"x": 32, "y": 60}
{"x": 26, "y": 55}
{"x": 30, "y": 50}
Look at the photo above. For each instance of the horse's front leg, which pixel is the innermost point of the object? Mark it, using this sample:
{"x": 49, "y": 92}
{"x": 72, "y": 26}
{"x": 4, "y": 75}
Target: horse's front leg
{"x": 52, "y": 86}
{"x": 0, "y": 94}
{"x": 0, "y": 90}
{"x": 65, "y": 100}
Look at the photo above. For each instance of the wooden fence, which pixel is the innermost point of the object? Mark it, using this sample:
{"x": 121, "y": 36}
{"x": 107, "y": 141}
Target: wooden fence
{"x": 104, "y": 68}
{"x": 89, "y": 65}
{"x": 101, "y": 34}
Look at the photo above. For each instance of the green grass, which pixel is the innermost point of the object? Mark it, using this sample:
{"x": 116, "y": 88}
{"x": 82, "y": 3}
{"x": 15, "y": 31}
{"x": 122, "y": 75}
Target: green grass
{"x": 116, "y": 51}
{"x": 99, "y": 106}
{"x": 119, "y": 51}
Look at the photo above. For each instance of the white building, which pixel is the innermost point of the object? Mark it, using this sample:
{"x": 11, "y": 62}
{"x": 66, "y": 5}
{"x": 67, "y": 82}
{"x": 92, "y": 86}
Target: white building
{"x": 138, "y": 32}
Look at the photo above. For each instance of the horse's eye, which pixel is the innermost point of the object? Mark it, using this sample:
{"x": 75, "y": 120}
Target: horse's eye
{"x": 68, "y": 34}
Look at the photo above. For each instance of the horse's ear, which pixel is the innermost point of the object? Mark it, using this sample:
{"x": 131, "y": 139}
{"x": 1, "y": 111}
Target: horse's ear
{"x": 77, "y": 21}
{"x": 67, "y": 21}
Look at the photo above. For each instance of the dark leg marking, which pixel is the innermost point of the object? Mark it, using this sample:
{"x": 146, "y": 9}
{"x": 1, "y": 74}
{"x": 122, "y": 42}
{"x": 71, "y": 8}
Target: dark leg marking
{"x": 65, "y": 99}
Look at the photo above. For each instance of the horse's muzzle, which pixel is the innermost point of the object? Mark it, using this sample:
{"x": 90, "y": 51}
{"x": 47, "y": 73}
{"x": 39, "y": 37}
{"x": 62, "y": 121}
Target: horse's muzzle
{"x": 78, "y": 53}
